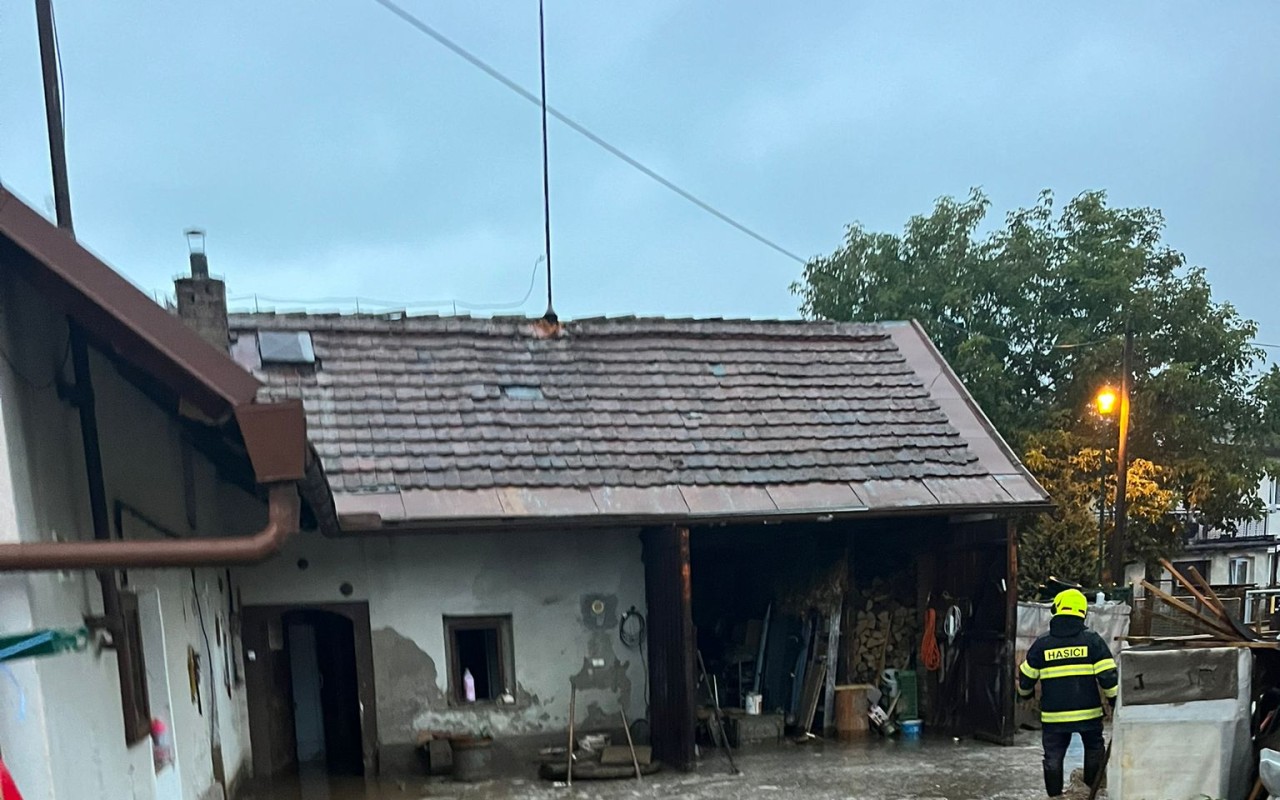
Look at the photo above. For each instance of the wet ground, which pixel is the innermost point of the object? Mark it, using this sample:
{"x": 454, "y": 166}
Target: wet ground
{"x": 935, "y": 769}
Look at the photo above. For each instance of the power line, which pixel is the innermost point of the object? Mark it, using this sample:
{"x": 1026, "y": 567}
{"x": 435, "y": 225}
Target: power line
{"x": 1069, "y": 346}
{"x": 1066, "y": 346}
{"x": 578, "y": 127}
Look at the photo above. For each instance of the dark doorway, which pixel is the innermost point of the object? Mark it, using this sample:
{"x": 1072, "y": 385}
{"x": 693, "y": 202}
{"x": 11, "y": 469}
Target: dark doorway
{"x": 325, "y": 688}
{"x": 309, "y": 675}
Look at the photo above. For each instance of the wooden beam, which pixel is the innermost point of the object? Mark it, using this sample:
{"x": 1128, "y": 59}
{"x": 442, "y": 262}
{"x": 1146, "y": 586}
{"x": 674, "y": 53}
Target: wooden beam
{"x": 1235, "y": 624}
{"x": 1188, "y": 610}
{"x": 1214, "y": 605}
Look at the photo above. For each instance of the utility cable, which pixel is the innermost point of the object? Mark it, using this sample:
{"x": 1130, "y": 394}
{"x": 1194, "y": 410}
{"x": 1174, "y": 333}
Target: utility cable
{"x": 399, "y": 304}
{"x": 578, "y": 127}
{"x": 1066, "y": 346}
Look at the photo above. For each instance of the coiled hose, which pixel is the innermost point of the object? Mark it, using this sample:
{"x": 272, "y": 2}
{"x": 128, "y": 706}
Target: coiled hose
{"x": 930, "y": 655}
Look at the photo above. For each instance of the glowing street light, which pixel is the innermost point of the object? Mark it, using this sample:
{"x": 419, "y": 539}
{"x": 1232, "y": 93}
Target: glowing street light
{"x": 1106, "y": 401}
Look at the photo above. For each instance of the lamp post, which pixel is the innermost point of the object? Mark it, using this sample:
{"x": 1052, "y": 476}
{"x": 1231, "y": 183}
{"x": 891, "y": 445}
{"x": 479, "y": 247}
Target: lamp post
{"x": 1107, "y": 402}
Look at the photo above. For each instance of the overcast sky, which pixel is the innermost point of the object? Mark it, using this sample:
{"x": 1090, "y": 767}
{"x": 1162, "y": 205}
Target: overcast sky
{"x": 333, "y": 151}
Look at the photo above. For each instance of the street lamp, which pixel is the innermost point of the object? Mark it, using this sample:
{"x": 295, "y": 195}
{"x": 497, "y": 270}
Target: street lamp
{"x": 1108, "y": 402}
{"x": 1104, "y": 402}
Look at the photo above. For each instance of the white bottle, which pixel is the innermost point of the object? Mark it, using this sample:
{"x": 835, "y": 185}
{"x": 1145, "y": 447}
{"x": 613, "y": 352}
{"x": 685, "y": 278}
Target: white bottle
{"x": 468, "y": 686}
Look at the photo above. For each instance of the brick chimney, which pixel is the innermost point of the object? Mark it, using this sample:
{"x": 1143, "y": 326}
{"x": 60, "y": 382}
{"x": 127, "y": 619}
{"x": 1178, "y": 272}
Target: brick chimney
{"x": 202, "y": 301}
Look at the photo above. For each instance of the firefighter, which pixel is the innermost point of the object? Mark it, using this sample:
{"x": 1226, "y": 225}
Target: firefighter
{"x": 1072, "y": 663}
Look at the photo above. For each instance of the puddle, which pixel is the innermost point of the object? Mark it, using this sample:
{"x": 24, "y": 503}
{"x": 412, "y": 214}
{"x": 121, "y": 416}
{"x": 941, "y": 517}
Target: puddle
{"x": 940, "y": 769}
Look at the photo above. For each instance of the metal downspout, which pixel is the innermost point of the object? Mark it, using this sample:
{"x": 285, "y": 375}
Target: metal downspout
{"x": 283, "y": 507}
{"x": 105, "y": 554}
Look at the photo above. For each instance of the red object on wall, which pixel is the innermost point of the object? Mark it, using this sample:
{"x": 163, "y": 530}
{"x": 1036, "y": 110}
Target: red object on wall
{"x": 8, "y": 790}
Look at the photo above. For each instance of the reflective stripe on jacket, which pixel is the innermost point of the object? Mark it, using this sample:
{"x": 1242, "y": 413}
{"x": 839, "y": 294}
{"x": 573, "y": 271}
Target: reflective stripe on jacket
{"x": 1072, "y": 663}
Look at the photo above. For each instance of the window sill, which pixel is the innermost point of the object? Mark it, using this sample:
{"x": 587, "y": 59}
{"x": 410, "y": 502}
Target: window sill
{"x": 486, "y": 705}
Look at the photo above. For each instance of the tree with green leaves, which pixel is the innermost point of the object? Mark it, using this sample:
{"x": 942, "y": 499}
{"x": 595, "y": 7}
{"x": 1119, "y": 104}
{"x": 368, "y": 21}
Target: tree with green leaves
{"x": 1031, "y": 315}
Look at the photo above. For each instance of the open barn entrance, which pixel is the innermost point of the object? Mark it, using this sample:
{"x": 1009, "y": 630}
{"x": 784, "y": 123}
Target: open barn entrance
{"x": 791, "y": 612}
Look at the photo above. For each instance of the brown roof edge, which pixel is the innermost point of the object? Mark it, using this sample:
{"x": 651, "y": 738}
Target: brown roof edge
{"x": 372, "y": 526}
{"x": 961, "y": 409}
{"x": 120, "y": 317}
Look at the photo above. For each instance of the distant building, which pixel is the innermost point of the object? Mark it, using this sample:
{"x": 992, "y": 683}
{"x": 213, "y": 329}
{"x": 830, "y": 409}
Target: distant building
{"x": 1245, "y": 557}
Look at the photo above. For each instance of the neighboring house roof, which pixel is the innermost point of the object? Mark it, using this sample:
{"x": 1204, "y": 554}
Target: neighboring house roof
{"x": 427, "y": 421}
{"x": 130, "y": 327}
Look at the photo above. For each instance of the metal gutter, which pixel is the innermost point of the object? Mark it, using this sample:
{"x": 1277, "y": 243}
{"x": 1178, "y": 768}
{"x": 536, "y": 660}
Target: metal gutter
{"x": 356, "y": 527}
{"x": 283, "y": 508}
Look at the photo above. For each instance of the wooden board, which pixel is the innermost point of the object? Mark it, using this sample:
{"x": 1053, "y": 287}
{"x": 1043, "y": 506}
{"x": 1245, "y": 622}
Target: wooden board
{"x": 622, "y": 756}
{"x": 594, "y": 771}
{"x": 817, "y": 675}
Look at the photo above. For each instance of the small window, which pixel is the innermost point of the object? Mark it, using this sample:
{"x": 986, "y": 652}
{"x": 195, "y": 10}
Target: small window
{"x": 286, "y": 347}
{"x": 1239, "y": 571}
{"x": 1201, "y": 566}
{"x": 481, "y": 646}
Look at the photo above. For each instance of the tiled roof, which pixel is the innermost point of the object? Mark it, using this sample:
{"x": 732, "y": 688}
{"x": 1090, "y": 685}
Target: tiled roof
{"x": 460, "y": 418}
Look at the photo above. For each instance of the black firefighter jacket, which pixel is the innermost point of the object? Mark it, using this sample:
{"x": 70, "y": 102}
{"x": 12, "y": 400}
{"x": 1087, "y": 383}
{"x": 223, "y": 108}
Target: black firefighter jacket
{"x": 1072, "y": 663}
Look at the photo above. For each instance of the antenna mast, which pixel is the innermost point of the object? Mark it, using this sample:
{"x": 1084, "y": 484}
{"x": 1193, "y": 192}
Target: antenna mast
{"x": 550, "y": 316}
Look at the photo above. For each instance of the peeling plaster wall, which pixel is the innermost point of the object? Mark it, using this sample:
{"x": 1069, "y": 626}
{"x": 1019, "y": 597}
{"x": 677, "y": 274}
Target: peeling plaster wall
{"x": 545, "y": 581}
{"x": 71, "y": 744}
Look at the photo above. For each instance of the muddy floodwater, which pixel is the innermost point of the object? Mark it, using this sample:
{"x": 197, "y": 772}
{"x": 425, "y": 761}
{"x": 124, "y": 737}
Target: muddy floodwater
{"x": 938, "y": 769}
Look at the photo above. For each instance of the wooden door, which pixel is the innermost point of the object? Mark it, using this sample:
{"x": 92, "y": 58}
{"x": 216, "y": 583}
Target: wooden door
{"x": 270, "y": 692}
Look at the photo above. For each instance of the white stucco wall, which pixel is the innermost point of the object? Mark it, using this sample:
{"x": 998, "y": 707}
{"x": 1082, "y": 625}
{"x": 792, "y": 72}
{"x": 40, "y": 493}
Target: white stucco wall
{"x": 71, "y": 743}
{"x": 411, "y": 582}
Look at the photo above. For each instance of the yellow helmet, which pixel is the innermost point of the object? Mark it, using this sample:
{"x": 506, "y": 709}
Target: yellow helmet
{"x": 1070, "y": 602}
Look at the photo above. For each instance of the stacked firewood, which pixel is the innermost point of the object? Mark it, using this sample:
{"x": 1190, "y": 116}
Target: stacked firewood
{"x": 885, "y": 633}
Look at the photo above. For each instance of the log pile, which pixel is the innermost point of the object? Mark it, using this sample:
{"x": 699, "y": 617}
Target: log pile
{"x": 885, "y": 633}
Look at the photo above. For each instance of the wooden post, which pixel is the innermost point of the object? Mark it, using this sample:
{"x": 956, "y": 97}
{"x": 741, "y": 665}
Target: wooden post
{"x": 669, "y": 593}
{"x": 849, "y": 622}
{"x": 833, "y": 656}
{"x": 1120, "y": 530}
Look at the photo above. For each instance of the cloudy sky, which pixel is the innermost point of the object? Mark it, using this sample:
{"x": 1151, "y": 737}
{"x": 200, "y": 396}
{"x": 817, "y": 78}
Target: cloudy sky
{"x": 333, "y": 151}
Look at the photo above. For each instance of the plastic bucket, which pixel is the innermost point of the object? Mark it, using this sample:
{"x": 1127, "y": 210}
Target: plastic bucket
{"x": 754, "y": 704}
{"x": 911, "y": 728}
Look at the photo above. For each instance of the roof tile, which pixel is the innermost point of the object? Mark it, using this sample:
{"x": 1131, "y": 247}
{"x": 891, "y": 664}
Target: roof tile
{"x": 638, "y": 410}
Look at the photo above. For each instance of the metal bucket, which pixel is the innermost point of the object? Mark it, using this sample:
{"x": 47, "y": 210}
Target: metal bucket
{"x": 472, "y": 759}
